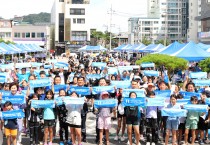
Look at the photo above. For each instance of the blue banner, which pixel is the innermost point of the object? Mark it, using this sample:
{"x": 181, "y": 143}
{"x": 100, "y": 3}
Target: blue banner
{"x": 155, "y": 102}
{"x": 99, "y": 89}
{"x": 188, "y": 95}
{"x": 98, "y": 64}
{"x": 3, "y": 77}
{"x": 112, "y": 71}
{"x": 61, "y": 64}
{"x": 36, "y": 64}
{"x": 13, "y": 114}
{"x": 25, "y": 91}
{"x": 16, "y": 99}
{"x": 198, "y": 75}
{"x": 47, "y": 66}
{"x": 122, "y": 68}
{"x": 22, "y": 65}
{"x": 5, "y": 93}
{"x": 196, "y": 107}
{"x": 134, "y": 102}
{"x": 121, "y": 84}
{"x": 69, "y": 100}
{"x": 183, "y": 101}
{"x": 57, "y": 88}
{"x": 93, "y": 76}
{"x": 174, "y": 112}
{"x": 37, "y": 71}
{"x": 108, "y": 103}
{"x": 151, "y": 73}
{"x": 140, "y": 93}
{"x": 147, "y": 65}
{"x": 201, "y": 83}
{"x": 43, "y": 103}
{"x": 162, "y": 93}
{"x": 40, "y": 83}
{"x": 208, "y": 101}
{"x": 80, "y": 90}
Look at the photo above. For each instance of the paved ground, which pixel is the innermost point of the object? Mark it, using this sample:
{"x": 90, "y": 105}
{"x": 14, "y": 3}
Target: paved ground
{"x": 91, "y": 134}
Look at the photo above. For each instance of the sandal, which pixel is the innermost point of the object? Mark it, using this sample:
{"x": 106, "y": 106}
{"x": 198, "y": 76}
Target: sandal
{"x": 107, "y": 142}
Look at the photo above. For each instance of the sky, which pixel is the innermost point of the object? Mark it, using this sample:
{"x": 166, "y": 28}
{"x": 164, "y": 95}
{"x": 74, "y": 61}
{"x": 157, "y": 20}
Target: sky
{"x": 99, "y": 11}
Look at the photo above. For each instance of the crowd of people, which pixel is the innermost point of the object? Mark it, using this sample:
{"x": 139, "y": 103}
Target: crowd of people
{"x": 68, "y": 121}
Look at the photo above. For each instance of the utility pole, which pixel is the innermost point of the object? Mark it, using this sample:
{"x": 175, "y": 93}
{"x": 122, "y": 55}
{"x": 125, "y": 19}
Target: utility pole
{"x": 119, "y": 36}
{"x": 110, "y": 40}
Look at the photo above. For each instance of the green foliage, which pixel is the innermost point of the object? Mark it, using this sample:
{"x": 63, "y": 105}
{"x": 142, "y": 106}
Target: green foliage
{"x": 205, "y": 65}
{"x": 102, "y": 36}
{"x": 146, "y": 41}
{"x": 162, "y": 42}
{"x": 7, "y": 42}
{"x": 172, "y": 63}
{"x": 37, "y": 18}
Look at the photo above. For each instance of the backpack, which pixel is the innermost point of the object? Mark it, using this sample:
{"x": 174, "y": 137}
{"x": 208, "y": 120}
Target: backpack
{"x": 131, "y": 111}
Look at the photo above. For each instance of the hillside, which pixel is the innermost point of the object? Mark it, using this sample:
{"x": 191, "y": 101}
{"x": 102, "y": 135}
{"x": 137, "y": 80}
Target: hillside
{"x": 37, "y": 18}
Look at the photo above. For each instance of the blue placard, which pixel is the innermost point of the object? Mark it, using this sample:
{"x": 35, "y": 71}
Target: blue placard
{"x": 155, "y": 102}
{"x": 188, "y": 95}
{"x": 134, "y": 102}
{"x": 121, "y": 84}
{"x": 98, "y": 64}
{"x": 198, "y": 75}
{"x": 108, "y": 103}
{"x": 208, "y": 101}
{"x": 151, "y": 73}
{"x": 183, "y": 101}
{"x": 61, "y": 64}
{"x": 127, "y": 68}
{"x": 47, "y": 66}
{"x": 80, "y": 90}
{"x": 57, "y": 88}
{"x": 43, "y": 103}
{"x": 100, "y": 89}
{"x": 162, "y": 93}
{"x": 69, "y": 100}
{"x": 25, "y": 91}
{"x": 196, "y": 107}
{"x": 140, "y": 93}
{"x": 40, "y": 83}
{"x": 174, "y": 112}
{"x": 112, "y": 71}
{"x": 147, "y": 65}
{"x": 93, "y": 76}
{"x": 3, "y": 77}
{"x": 13, "y": 114}
{"x": 5, "y": 93}
{"x": 14, "y": 99}
{"x": 36, "y": 64}
{"x": 201, "y": 83}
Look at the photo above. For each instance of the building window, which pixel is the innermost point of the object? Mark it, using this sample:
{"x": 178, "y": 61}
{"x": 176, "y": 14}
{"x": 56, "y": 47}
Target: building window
{"x": 77, "y": 1}
{"x": 79, "y": 36}
{"x": 17, "y": 35}
{"x": 23, "y": 35}
{"x": 61, "y": 0}
{"x": 40, "y": 35}
{"x": 155, "y": 22}
{"x": 80, "y": 21}
{"x": 33, "y": 35}
{"x": 74, "y": 21}
{"x": 77, "y": 11}
{"x": 7, "y": 34}
{"x": 28, "y": 35}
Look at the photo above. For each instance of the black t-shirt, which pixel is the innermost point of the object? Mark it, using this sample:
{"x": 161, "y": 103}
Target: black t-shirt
{"x": 10, "y": 124}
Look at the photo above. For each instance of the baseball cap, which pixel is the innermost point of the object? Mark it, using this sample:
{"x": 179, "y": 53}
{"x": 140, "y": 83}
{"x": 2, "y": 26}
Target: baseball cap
{"x": 136, "y": 78}
{"x": 104, "y": 93}
{"x": 151, "y": 84}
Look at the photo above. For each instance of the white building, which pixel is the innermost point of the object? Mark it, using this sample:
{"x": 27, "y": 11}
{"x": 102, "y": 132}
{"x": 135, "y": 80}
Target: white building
{"x": 6, "y": 29}
{"x": 166, "y": 19}
{"x": 71, "y": 24}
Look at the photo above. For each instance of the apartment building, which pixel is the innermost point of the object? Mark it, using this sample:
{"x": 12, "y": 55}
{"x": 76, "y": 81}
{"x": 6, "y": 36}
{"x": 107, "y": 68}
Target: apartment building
{"x": 6, "y": 29}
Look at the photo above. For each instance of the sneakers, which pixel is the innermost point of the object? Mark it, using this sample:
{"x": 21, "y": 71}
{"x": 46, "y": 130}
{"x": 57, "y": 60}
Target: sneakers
{"x": 45, "y": 144}
{"x": 69, "y": 142}
{"x": 116, "y": 138}
{"x": 128, "y": 143}
{"x": 122, "y": 138}
{"x": 201, "y": 142}
{"x": 50, "y": 143}
{"x": 61, "y": 143}
{"x": 142, "y": 138}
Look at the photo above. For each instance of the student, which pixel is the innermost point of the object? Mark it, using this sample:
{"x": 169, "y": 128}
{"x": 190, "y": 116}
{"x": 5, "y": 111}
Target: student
{"x": 34, "y": 118}
{"x": 132, "y": 120}
{"x": 104, "y": 120}
{"x": 49, "y": 116}
{"x": 192, "y": 121}
{"x": 74, "y": 120}
{"x": 62, "y": 114}
{"x": 10, "y": 126}
{"x": 172, "y": 123}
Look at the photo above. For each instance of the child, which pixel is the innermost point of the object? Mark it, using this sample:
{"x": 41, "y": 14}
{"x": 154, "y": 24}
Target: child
{"x": 10, "y": 126}
{"x": 192, "y": 121}
{"x": 34, "y": 118}
{"x": 172, "y": 122}
{"x": 49, "y": 116}
{"x": 132, "y": 120}
{"x": 62, "y": 114}
{"x": 104, "y": 120}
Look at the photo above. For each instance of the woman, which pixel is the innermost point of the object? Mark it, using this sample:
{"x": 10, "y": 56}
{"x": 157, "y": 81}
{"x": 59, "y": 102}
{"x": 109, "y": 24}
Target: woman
{"x": 74, "y": 119}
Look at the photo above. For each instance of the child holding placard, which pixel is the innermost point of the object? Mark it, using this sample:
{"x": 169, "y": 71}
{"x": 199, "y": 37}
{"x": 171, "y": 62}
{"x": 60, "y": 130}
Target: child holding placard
{"x": 10, "y": 126}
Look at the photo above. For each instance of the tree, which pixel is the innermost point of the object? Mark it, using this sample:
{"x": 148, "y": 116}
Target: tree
{"x": 37, "y": 18}
{"x": 205, "y": 65}
{"x": 162, "y": 42}
{"x": 145, "y": 41}
{"x": 7, "y": 42}
{"x": 171, "y": 63}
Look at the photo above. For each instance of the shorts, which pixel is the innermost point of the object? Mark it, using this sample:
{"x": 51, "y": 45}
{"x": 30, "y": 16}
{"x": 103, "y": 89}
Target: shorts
{"x": 182, "y": 126}
{"x": 75, "y": 126}
{"x": 191, "y": 124}
{"x": 104, "y": 122}
{"x": 201, "y": 124}
{"x": 132, "y": 120}
{"x": 120, "y": 116}
{"x": 172, "y": 124}
{"x": 151, "y": 123}
{"x": 10, "y": 132}
{"x": 49, "y": 123}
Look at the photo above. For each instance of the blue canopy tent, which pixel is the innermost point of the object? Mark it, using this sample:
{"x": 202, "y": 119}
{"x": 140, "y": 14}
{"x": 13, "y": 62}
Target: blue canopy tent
{"x": 92, "y": 48}
{"x": 22, "y": 48}
{"x": 131, "y": 47}
{"x": 119, "y": 47}
{"x": 172, "y": 48}
{"x": 153, "y": 48}
{"x": 139, "y": 47}
{"x": 191, "y": 52}
{"x": 29, "y": 49}
{"x": 32, "y": 47}
{"x": 17, "y": 48}
{"x": 4, "y": 51}
{"x": 38, "y": 47}
{"x": 204, "y": 46}
{"x": 126, "y": 47}
{"x": 83, "y": 48}
{"x": 9, "y": 50}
